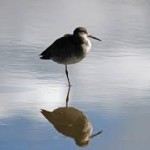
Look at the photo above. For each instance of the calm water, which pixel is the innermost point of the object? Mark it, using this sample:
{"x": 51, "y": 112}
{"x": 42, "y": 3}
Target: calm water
{"x": 111, "y": 86}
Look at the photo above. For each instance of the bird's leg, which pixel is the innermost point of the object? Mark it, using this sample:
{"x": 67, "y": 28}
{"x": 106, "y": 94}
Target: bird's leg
{"x": 66, "y": 71}
{"x": 67, "y": 97}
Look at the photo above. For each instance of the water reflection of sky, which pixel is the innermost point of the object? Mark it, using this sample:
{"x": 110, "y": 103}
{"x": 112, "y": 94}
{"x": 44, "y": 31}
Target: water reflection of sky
{"x": 111, "y": 85}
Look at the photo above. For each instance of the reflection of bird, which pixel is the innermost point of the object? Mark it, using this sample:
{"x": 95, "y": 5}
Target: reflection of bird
{"x": 69, "y": 49}
{"x": 71, "y": 122}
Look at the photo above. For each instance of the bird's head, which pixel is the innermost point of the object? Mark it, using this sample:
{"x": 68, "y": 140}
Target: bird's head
{"x": 85, "y": 138}
{"x": 81, "y": 31}
{"x": 82, "y": 142}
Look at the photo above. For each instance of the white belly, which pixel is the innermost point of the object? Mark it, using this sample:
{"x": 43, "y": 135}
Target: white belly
{"x": 73, "y": 60}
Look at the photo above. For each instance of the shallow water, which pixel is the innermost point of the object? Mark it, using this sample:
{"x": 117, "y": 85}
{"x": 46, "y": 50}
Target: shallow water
{"x": 111, "y": 85}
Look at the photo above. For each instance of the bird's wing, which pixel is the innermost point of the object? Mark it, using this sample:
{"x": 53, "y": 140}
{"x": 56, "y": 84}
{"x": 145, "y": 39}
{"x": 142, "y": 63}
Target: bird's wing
{"x": 59, "y": 47}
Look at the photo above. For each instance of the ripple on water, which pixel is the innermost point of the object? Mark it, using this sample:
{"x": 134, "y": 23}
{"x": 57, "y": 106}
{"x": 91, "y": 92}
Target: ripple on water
{"x": 13, "y": 89}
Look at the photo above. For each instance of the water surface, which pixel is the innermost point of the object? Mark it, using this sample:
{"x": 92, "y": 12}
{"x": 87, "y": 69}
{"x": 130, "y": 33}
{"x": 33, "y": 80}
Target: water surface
{"x": 111, "y": 85}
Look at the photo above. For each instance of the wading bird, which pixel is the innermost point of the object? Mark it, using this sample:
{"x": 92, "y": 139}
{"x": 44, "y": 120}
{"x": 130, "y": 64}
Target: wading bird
{"x": 69, "y": 49}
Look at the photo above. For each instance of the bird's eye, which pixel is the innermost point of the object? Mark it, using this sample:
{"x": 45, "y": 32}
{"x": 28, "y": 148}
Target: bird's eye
{"x": 84, "y": 32}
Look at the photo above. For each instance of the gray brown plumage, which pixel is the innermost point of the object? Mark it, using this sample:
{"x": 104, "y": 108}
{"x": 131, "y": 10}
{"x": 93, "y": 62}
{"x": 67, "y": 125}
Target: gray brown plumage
{"x": 70, "y": 48}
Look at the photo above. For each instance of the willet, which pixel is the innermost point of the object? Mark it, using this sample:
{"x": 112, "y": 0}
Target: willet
{"x": 71, "y": 122}
{"x": 69, "y": 49}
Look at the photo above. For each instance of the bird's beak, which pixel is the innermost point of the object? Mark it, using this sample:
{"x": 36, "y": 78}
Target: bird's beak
{"x": 94, "y": 37}
{"x": 94, "y": 135}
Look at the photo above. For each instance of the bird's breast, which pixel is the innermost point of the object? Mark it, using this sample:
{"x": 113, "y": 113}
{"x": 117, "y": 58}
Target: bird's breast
{"x": 86, "y": 46}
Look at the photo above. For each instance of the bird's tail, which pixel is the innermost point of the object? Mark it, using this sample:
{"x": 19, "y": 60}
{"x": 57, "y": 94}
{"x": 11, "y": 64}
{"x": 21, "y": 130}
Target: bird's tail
{"x": 46, "y": 54}
{"x": 48, "y": 115}
{"x": 44, "y": 57}
{"x": 45, "y": 112}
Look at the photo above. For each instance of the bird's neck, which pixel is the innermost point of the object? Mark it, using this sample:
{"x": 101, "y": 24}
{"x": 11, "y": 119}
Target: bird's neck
{"x": 86, "y": 43}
